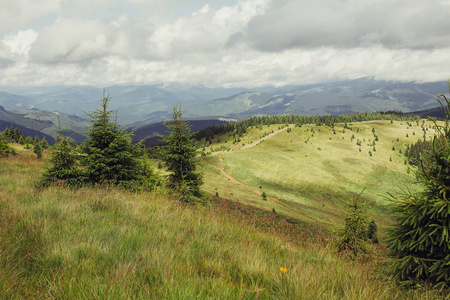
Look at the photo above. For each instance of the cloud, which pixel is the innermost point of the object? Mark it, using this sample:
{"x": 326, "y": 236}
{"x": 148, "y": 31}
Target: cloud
{"x": 20, "y": 43}
{"x": 17, "y": 13}
{"x": 247, "y": 43}
{"x": 204, "y": 32}
{"x": 72, "y": 41}
{"x": 412, "y": 24}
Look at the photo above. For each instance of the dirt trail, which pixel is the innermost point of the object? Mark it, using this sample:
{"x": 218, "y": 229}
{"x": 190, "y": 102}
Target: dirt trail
{"x": 224, "y": 173}
{"x": 266, "y": 137}
{"x": 221, "y": 168}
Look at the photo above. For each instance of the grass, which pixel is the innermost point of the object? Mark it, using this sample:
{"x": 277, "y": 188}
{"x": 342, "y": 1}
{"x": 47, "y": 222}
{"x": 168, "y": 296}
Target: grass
{"x": 313, "y": 170}
{"x": 106, "y": 243}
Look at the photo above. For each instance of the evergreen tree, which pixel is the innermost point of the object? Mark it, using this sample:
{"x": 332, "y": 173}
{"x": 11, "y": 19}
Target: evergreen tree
{"x": 44, "y": 143}
{"x": 5, "y": 149}
{"x": 372, "y": 232}
{"x": 29, "y": 140}
{"x": 420, "y": 242}
{"x": 352, "y": 236}
{"x": 64, "y": 165}
{"x": 179, "y": 155}
{"x": 37, "y": 149}
{"x": 264, "y": 196}
{"x": 111, "y": 157}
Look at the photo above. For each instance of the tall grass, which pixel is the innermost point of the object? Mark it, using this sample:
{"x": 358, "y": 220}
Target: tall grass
{"x": 105, "y": 243}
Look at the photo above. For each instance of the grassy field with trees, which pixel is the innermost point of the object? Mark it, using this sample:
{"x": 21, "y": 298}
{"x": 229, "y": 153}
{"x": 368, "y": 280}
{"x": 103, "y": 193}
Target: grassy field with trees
{"x": 108, "y": 243}
{"x": 287, "y": 211}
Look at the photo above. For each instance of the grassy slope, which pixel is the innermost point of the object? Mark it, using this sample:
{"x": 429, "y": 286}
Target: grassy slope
{"x": 103, "y": 243}
{"x": 314, "y": 171}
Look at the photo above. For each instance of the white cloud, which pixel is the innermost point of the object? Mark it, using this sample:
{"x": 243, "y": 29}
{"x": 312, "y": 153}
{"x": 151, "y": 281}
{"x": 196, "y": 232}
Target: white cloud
{"x": 72, "y": 41}
{"x": 17, "y": 13}
{"x": 352, "y": 23}
{"x": 20, "y": 43}
{"x": 246, "y": 43}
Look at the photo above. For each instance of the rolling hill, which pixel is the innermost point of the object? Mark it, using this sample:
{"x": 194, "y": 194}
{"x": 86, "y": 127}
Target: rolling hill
{"x": 104, "y": 242}
{"x": 309, "y": 172}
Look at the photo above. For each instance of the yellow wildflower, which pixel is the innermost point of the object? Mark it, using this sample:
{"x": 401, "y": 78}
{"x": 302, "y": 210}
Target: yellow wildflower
{"x": 283, "y": 270}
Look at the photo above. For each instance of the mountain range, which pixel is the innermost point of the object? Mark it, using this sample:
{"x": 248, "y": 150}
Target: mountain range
{"x": 41, "y": 108}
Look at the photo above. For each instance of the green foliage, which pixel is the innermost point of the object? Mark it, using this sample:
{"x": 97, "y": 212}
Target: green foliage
{"x": 110, "y": 156}
{"x": 64, "y": 167}
{"x": 44, "y": 143}
{"x": 179, "y": 155}
{"x": 352, "y": 236}
{"x": 264, "y": 196}
{"x": 372, "y": 232}
{"x": 241, "y": 126}
{"x": 420, "y": 242}
{"x": 5, "y": 149}
{"x": 14, "y": 135}
{"x": 37, "y": 149}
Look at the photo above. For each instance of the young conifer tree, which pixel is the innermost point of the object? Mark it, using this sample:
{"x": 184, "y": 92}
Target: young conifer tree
{"x": 420, "y": 241}
{"x": 5, "y": 149}
{"x": 352, "y": 237}
{"x": 37, "y": 149}
{"x": 64, "y": 165}
{"x": 179, "y": 155}
{"x": 110, "y": 156}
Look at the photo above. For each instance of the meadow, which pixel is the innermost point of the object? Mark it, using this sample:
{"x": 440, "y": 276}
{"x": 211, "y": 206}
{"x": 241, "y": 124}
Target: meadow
{"x": 310, "y": 172}
{"x": 106, "y": 243}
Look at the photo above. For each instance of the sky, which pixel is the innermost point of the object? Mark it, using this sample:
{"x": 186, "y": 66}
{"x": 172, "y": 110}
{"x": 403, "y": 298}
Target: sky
{"x": 221, "y": 43}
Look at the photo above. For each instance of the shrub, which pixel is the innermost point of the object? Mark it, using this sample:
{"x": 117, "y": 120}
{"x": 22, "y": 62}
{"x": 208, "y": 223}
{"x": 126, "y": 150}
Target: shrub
{"x": 5, "y": 149}
{"x": 420, "y": 242}
{"x": 352, "y": 236}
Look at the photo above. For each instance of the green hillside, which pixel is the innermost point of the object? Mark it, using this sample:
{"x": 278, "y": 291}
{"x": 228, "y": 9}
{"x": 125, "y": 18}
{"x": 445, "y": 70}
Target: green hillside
{"x": 310, "y": 172}
{"x": 106, "y": 243}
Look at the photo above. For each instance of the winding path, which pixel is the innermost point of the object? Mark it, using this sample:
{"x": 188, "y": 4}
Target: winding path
{"x": 221, "y": 168}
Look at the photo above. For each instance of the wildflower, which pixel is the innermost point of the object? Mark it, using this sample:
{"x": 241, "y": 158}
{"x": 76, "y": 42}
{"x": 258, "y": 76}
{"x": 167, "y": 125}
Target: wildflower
{"x": 283, "y": 270}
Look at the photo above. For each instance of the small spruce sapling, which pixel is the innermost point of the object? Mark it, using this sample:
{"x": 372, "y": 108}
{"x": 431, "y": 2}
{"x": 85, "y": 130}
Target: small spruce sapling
{"x": 37, "y": 149}
{"x": 352, "y": 236}
{"x": 264, "y": 196}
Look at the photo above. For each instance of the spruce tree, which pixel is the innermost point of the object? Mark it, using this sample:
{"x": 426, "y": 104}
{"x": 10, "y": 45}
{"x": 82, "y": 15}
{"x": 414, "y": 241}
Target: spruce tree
{"x": 372, "y": 231}
{"x": 353, "y": 234}
{"x": 420, "y": 242}
{"x": 37, "y": 149}
{"x": 64, "y": 165}
{"x": 179, "y": 154}
{"x": 5, "y": 149}
{"x": 110, "y": 156}
{"x": 44, "y": 143}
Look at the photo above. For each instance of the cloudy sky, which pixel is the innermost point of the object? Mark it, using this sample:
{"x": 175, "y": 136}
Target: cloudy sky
{"x": 243, "y": 43}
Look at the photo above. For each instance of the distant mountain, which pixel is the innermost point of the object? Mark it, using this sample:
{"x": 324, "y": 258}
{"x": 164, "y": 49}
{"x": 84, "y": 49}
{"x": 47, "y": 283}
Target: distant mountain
{"x": 8, "y": 120}
{"x": 436, "y": 112}
{"x": 45, "y": 122}
{"x": 9, "y": 101}
{"x": 150, "y": 132}
{"x": 153, "y": 103}
{"x": 18, "y": 119}
{"x": 135, "y": 104}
